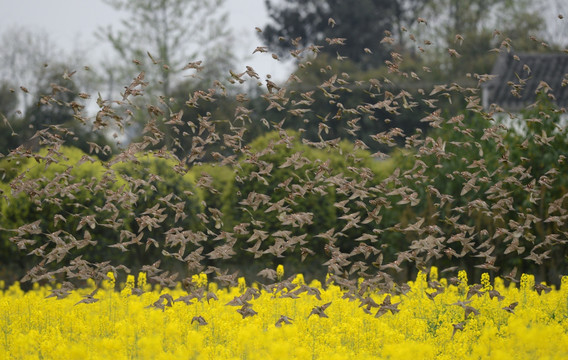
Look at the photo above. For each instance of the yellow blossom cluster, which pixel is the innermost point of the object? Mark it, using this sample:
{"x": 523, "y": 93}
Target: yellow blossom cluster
{"x": 430, "y": 319}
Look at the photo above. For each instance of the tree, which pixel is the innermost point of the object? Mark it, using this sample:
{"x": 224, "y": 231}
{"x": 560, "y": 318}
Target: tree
{"x": 25, "y": 61}
{"x": 40, "y": 87}
{"x": 8, "y": 105}
{"x": 8, "y": 99}
{"x": 462, "y": 32}
{"x": 161, "y": 37}
{"x": 314, "y": 21}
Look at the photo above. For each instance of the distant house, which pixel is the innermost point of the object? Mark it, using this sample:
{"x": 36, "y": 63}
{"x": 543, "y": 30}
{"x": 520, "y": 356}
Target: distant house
{"x": 516, "y": 78}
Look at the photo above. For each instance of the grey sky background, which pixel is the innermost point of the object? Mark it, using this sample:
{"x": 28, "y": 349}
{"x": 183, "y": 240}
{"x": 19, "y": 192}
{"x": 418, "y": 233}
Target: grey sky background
{"x": 71, "y": 25}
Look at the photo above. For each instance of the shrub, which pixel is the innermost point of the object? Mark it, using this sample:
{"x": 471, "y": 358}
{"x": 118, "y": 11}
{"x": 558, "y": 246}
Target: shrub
{"x": 288, "y": 191}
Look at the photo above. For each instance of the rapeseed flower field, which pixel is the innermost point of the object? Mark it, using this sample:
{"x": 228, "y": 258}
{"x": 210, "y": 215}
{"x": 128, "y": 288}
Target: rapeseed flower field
{"x": 430, "y": 318}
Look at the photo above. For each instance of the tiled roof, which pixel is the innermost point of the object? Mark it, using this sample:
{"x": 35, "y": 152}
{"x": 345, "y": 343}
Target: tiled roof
{"x": 551, "y": 68}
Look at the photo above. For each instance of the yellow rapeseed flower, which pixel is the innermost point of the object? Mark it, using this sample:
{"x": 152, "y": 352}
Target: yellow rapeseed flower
{"x": 141, "y": 282}
{"x": 110, "y": 282}
{"x": 280, "y": 272}
{"x": 433, "y": 273}
{"x": 33, "y": 326}
{"x": 486, "y": 282}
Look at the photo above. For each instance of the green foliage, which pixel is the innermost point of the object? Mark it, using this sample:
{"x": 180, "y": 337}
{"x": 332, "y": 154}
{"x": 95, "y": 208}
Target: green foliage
{"x": 452, "y": 175}
{"x": 309, "y": 23}
{"x": 161, "y": 201}
{"x": 213, "y": 183}
{"x": 56, "y": 190}
{"x": 334, "y": 99}
{"x": 57, "y": 103}
{"x": 474, "y": 162}
{"x": 81, "y": 204}
{"x": 8, "y": 99}
{"x": 286, "y": 191}
{"x": 540, "y": 147}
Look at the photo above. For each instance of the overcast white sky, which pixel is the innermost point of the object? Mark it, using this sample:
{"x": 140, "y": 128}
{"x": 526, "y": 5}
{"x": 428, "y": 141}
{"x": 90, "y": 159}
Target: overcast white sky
{"x": 71, "y": 25}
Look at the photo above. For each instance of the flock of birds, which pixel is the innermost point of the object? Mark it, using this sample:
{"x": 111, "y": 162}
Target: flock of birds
{"x": 363, "y": 205}
{"x": 290, "y": 289}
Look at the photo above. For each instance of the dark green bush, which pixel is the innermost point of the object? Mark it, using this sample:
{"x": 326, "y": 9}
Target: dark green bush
{"x": 296, "y": 200}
